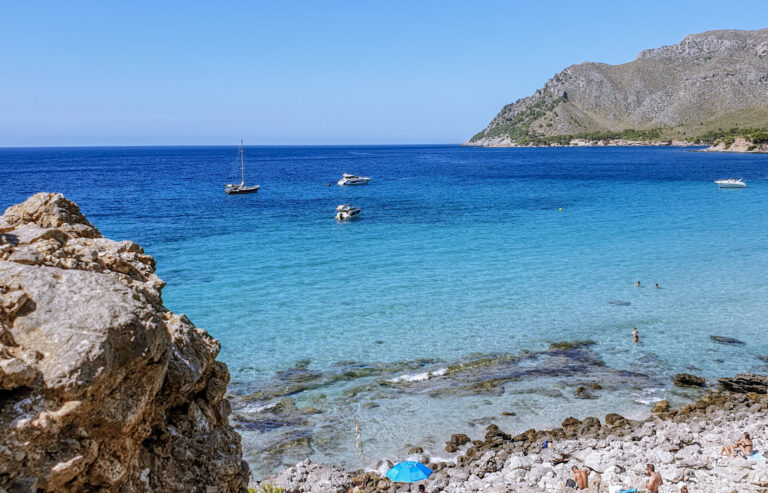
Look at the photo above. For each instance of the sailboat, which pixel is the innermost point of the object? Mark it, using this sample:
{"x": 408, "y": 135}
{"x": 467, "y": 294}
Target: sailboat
{"x": 231, "y": 189}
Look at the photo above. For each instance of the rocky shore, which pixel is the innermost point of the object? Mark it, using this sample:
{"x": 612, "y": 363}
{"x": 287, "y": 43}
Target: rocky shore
{"x": 739, "y": 144}
{"x": 505, "y": 141}
{"x": 684, "y": 444}
{"x": 101, "y": 387}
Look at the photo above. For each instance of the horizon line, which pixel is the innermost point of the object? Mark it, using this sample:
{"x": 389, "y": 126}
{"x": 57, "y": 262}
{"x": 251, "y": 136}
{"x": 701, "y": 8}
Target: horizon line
{"x": 149, "y": 146}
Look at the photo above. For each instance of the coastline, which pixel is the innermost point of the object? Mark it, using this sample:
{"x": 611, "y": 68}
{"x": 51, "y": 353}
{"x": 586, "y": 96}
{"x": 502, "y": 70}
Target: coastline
{"x": 506, "y": 142}
{"x": 684, "y": 445}
{"x": 739, "y": 145}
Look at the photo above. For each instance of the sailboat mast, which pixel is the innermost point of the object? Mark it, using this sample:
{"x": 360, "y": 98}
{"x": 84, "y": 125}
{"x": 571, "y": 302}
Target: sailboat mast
{"x": 242, "y": 166}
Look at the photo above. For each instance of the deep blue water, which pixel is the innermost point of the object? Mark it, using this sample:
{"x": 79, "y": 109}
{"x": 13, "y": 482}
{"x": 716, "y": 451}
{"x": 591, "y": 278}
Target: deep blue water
{"x": 458, "y": 251}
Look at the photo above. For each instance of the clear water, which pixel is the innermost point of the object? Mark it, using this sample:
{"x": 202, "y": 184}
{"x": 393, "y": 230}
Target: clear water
{"x": 458, "y": 251}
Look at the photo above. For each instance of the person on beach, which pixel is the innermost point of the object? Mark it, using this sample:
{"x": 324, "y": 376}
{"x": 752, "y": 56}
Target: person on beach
{"x": 684, "y": 489}
{"x": 635, "y": 335}
{"x": 743, "y": 446}
{"x": 580, "y": 476}
{"x": 654, "y": 481}
{"x": 728, "y": 450}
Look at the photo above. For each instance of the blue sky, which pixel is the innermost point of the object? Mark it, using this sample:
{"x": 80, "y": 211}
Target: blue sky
{"x": 314, "y": 72}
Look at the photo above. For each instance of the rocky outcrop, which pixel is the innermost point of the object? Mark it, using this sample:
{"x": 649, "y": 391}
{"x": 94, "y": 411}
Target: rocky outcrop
{"x": 688, "y": 380}
{"x": 101, "y": 387}
{"x": 716, "y": 79}
{"x": 745, "y": 383}
{"x": 738, "y": 144}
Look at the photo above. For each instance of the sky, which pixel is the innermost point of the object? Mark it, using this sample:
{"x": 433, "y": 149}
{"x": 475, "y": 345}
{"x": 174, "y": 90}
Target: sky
{"x": 313, "y": 72}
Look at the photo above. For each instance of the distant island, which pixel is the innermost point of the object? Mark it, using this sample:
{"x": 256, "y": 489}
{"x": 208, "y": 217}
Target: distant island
{"x": 709, "y": 89}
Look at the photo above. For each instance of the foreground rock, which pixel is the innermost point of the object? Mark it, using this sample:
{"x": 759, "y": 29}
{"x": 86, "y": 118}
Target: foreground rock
{"x": 101, "y": 387}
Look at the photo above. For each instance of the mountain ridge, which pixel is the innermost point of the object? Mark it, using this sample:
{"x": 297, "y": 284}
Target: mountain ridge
{"x": 708, "y": 81}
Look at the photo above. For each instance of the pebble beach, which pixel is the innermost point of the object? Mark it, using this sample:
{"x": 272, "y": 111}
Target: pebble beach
{"x": 683, "y": 444}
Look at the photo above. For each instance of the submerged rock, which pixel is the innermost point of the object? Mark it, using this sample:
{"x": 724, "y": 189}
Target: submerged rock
{"x": 688, "y": 380}
{"x": 726, "y": 340}
{"x": 568, "y": 345}
{"x": 103, "y": 387}
{"x": 583, "y": 393}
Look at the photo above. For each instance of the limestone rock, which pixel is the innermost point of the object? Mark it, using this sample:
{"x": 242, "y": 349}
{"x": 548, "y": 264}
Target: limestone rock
{"x": 103, "y": 387}
{"x": 661, "y": 407}
{"x": 570, "y": 422}
{"x": 310, "y": 477}
{"x": 745, "y": 383}
{"x": 458, "y": 439}
{"x": 688, "y": 380}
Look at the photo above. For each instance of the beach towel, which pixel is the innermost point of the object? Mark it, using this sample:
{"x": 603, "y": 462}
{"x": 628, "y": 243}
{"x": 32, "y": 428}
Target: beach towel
{"x": 757, "y": 456}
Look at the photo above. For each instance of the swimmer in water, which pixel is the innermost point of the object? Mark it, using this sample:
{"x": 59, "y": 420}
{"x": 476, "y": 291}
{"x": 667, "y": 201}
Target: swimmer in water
{"x": 635, "y": 335}
{"x": 657, "y": 285}
{"x": 637, "y": 284}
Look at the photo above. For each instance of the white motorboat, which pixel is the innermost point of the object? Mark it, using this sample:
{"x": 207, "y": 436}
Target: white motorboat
{"x": 239, "y": 188}
{"x": 347, "y": 179}
{"x": 731, "y": 183}
{"x": 345, "y": 212}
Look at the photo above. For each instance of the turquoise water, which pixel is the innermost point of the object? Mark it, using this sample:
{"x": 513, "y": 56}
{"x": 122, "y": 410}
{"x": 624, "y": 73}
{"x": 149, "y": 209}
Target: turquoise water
{"x": 459, "y": 253}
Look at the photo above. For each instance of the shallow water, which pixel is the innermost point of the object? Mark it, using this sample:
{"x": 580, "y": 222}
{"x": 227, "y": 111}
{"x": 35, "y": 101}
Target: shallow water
{"x": 460, "y": 253}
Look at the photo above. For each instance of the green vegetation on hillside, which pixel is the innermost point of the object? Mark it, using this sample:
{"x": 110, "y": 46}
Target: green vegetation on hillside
{"x": 628, "y": 134}
{"x": 754, "y": 135}
{"x": 519, "y": 127}
{"x": 520, "y": 132}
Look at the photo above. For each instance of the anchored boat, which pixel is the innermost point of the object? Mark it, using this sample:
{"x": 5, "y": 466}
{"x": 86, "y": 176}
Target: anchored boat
{"x": 347, "y": 179}
{"x": 345, "y": 212}
{"x": 232, "y": 189}
{"x": 731, "y": 183}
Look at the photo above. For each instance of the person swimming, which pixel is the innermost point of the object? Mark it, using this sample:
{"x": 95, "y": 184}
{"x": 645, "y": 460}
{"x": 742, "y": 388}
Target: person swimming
{"x": 635, "y": 335}
{"x": 657, "y": 285}
{"x": 637, "y": 284}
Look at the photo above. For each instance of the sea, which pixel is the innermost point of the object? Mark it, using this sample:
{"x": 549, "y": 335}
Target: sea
{"x": 478, "y": 286}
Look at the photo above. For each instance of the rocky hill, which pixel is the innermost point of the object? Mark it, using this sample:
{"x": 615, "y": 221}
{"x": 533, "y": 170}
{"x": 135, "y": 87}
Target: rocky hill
{"x": 101, "y": 387}
{"x": 708, "y": 82}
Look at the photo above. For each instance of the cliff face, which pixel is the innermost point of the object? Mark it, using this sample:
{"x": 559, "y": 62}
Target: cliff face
{"x": 101, "y": 387}
{"x": 709, "y": 80}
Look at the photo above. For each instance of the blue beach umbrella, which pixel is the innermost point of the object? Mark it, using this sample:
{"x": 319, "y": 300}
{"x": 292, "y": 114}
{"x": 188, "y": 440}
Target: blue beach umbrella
{"x": 409, "y": 472}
